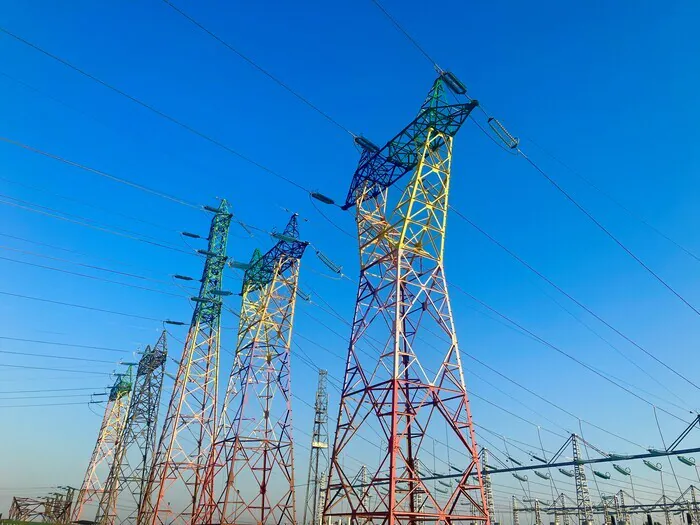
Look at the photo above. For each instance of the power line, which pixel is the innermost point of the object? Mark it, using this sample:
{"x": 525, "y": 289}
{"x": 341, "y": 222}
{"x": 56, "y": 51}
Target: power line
{"x": 406, "y": 34}
{"x": 56, "y": 214}
{"x": 49, "y": 404}
{"x": 49, "y": 356}
{"x": 83, "y": 307}
{"x": 158, "y": 112}
{"x": 84, "y": 265}
{"x": 70, "y": 370}
{"x": 609, "y": 234}
{"x": 570, "y": 297}
{"x": 258, "y": 67}
{"x": 93, "y": 277}
{"x": 99, "y": 172}
{"x": 50, "y": 390}
{"x": 54, "y": 343}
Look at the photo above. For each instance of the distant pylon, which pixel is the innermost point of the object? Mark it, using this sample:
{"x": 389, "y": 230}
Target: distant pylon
{"x": 129, "y": 473}
{"x": 318, "y": 457}
{"x": 108, "y": 439}
{"x": 189, "y": 429}
{"x": 583, "y": 497}
{"x": 488, "y": 488}
{"x": 253, "y": 460}
{"x": 516, "y": 515}
{"x": 404, "y": 385}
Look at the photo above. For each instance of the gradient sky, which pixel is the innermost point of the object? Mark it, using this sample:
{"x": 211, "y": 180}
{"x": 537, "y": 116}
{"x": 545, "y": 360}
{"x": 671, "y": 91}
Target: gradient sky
{"x": 607, "y": 88}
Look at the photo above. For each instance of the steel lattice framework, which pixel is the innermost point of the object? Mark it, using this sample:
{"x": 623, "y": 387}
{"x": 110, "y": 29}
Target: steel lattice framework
{"x": 130, "y": 470}
{"x": 108, "y": 443}
{"x": 389, "y": 392}
{"x": 190, "y": 424}
{"x": 583, "y": 498}
{"x": 251, "y": 475}
{"x": 318, "y": 458}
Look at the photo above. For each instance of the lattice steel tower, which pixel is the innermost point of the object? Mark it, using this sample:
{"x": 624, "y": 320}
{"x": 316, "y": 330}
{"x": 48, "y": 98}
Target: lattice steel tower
{"x": 251, "y": 475}
{"x": 189, "y": 429}
{"x": 583, "y": 497}
{"x": 398, "y": 388}
{"x": 318, "y": 458}
{"x": 107, "y": 446}
{"x": 488, "y": 488}
{"x": 129, "y": 473}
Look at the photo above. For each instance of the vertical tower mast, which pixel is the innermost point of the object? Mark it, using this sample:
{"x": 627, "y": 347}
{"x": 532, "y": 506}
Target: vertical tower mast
{"x": 129, "y": 474}
{"x": 318, "y": 458}
{"x": 487, "y": 481}
{"x": 516, "y": 515}
{"x": 396, "y": 388}
{"x": 107, "y": 446}
{"x": 255, "y": 452}
{"x": 190, "y": 423}
{"x": 583, "y": 498}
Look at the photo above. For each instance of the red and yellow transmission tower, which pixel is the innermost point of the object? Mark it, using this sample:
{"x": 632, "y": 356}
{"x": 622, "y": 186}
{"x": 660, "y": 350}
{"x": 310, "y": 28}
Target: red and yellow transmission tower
{"x": 175, "y": 481}
{"x": 251, "y": 475}
{"x": 106, "y": 449}
{"x": 404, "y": 386}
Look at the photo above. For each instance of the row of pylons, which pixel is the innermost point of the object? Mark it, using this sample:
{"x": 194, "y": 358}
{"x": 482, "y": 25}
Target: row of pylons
{"x": 231, "y": 460}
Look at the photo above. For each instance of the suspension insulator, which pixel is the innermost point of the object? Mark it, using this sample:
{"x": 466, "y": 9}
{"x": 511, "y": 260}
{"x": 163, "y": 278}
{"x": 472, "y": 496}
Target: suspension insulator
{"x": 283, "y": 237}
{"x": 321, "y": 197}
{"x": 455, "y": 84}
{"x": 652, "y": 466}
{"x": 239, "y": 265}
{"x": 192, "y": 235}
{"x": 625, "y": 471}
{"x": 222, "y": 293}
{"x": 444, "y": 483}
{"x": 568, "y": 473}
{"x": 330, "y": 264}
{"x": 183, "y": 277}
{"x": 538, "y": 458}
{"x": 209, "y": 254}
{"x": 543, "y": 475}
{"x": 515, "y": 461}
{"x": 456, "y": 469}
{"x": 518, "y": 477}
{"x": 502, "y": 133}
{"x": 176, "y": 323}
{"x": 656, "y": 451}
{"x": 603, "y": 475}
{"x": 303, "y": 295}
{"x": 209, "y": 208}
{"x": 366, "y": 144}
{"x": 688, "y": 461}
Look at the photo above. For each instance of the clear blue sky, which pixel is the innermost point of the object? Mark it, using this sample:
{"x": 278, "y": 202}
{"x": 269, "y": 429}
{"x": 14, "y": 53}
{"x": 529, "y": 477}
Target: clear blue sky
{"x": 610, "y": 88}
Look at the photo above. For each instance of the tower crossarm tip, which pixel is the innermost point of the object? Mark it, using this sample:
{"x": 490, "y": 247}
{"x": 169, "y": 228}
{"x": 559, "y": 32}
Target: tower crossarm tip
{"x": 287, "y": 250}
{"x": 380, "y": 168}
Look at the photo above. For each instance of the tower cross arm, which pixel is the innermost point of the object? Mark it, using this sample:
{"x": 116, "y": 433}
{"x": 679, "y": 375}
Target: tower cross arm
{"x": 381, "y": 167}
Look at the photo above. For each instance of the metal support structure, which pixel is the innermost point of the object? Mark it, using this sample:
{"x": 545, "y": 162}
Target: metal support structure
{"x": 398, "y": 389}
{"x": 583, "y": 497}
{"x": 516, "y": 515}
{"x": 253, "y": 458}
{"x": 130, "y": 470}
{"x": 488, "y": 488}
{"x": 318, "y": 457}
{"x": 175, "y": 482}
{"x": 105, "y": 453}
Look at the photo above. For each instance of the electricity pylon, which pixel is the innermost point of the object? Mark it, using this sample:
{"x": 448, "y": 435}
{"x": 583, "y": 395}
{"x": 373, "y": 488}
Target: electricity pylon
{"x": 129, "y": 473}
{"x": 107, "y": 446}
{"x": 254, "y": 457}
{"x": 403, "y": 379}
{"x": 583, "y": 497}
{"x": 318, "y": 457}
{"x": 190, "y": 422}
{"x": 488, "y": 488}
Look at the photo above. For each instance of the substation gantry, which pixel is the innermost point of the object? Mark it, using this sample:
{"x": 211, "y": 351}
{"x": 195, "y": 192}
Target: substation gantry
{"x": 189, "y": 430}
{"x": 397, "y": 389}
{"x": 250, "y": 478}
